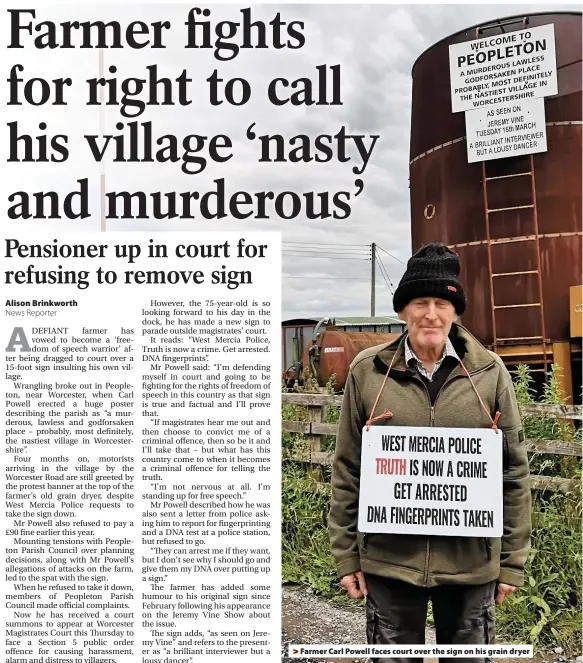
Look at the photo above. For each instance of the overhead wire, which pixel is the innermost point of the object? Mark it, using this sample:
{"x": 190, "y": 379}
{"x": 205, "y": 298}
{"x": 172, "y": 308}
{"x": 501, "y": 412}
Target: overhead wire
{"x": 304, "y": 250}
{"x": 391, "y": 284}
{"x": 390, "y": 254}
{"x": 330, "y": 251}
{"x": 299, "y": 255}
{"x": 326, "y": 278}
{"x": 333, "y": 253}
{"x": 318, "y": 244}
{"x": 339, "y": 252}
{"x": 384, "y": 270}
{"x": 378, "y": 262}
{"x": 332, "y": 248}
{"x": 387, "y": 274}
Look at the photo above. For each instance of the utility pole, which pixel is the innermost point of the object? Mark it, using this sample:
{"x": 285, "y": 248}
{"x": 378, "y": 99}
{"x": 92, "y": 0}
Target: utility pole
{"x": 373, "y": 247}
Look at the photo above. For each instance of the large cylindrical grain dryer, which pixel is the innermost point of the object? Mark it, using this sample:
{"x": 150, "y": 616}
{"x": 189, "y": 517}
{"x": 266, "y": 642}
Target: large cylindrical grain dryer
{"x": 516, "y": 221}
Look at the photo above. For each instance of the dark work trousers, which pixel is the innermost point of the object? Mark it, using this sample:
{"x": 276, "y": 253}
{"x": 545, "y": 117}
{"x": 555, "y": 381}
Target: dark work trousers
{"x": 396, "y": 613}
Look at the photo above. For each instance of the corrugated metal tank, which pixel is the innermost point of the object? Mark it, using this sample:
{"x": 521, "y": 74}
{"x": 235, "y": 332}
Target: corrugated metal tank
{"x": 337, "y": 349}
{"x": 448, "y": 202}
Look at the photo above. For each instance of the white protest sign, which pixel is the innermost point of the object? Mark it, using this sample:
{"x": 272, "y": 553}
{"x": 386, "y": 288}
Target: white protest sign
{"x": 426, "y": 480}
{"x": 503, "y": 68}
{"x": 507, "y": 130}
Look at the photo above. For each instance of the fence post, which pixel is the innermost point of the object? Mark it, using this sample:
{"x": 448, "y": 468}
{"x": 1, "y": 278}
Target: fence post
{"x": 315, "y": 416}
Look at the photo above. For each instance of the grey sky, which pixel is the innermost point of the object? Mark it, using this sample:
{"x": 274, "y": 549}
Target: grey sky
{"x": 383, "y": 42}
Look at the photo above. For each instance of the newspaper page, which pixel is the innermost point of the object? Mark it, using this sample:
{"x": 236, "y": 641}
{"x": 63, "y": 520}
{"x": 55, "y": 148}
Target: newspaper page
{"x": 193, "y": 195}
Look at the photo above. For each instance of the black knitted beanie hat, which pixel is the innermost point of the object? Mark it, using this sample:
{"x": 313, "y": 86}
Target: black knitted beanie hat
{"x": 432, "y": 272}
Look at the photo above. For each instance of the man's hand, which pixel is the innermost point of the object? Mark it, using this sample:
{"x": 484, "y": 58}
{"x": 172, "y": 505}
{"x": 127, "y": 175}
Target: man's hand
{"x": 503, "y": 592}
{"x": 355, "y": 585}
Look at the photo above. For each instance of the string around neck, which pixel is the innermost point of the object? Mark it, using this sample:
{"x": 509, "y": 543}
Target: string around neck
{"x": 387, "y": 414}
{"x": 493, "y": 421}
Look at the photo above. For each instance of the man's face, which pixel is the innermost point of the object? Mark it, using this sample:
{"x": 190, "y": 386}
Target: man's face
{"x": 429, "y": 320}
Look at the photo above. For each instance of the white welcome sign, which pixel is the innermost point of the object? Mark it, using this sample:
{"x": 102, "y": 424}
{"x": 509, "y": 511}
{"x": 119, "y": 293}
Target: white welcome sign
{"x": 503, "y": 68}
{"x": 426, "y": 480}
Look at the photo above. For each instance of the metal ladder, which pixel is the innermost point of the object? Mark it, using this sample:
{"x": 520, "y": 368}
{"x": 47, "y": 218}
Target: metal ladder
{"x": 535, "y": 238}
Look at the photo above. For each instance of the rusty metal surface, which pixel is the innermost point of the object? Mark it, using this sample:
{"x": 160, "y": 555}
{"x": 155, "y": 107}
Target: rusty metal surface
{"x": 338, "y": 349}
{"x": 442, "y": 178}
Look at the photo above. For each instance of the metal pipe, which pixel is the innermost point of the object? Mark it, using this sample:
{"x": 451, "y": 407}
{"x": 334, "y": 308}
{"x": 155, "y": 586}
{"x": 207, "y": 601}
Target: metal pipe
{"x": 323, "y": 321}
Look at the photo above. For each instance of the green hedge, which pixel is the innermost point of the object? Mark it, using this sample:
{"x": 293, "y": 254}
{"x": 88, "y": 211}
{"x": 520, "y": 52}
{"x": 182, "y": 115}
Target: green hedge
{"x": 546, "y": 612}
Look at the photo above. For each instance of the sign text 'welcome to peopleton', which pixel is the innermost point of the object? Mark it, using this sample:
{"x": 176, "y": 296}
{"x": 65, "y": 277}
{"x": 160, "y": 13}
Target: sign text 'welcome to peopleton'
{"x": 500, "y": 82}
{"x": 426, "y": 480}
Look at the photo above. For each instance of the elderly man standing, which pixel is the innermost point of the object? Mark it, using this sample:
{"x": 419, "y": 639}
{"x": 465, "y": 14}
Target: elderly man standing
{"x": 436, "y": 374}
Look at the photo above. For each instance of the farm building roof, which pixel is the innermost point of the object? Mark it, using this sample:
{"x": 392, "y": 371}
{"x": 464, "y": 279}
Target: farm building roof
{"x": 344, "y": 321}
{"x": 363, "y": 321}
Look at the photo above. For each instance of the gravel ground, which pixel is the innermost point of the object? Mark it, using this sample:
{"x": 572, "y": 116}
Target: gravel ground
{"x": 310, "y": 619}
